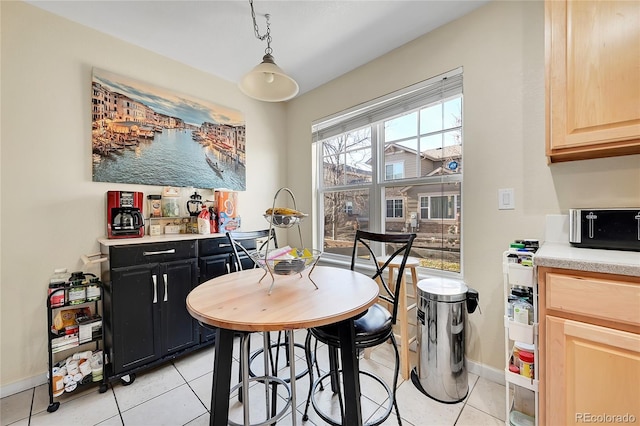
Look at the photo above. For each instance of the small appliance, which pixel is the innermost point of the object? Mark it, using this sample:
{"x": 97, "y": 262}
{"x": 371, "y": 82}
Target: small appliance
{"x": 617, "y": 229}
{"x": 124, "y": 214}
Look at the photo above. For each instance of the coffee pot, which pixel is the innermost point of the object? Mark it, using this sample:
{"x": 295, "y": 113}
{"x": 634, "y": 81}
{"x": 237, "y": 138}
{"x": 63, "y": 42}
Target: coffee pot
{"x": 194, "y": 204}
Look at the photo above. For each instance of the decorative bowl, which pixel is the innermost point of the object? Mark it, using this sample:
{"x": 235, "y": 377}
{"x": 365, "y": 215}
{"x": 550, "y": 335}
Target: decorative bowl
{"x": 285, "y": 263}
{"x": 284, "y": 220}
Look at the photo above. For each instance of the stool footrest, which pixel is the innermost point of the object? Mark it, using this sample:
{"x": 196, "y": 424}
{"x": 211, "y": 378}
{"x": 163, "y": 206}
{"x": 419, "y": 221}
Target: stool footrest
{"x": 263, "y": 379}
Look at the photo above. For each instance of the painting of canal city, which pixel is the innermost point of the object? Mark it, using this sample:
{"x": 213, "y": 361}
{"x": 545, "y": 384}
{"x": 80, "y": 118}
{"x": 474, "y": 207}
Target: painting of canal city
{"x": 142, "y": 134}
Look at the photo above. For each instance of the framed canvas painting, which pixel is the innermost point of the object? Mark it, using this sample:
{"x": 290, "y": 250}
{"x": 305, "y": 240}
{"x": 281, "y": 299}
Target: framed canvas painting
{"x": 143, "y": 134}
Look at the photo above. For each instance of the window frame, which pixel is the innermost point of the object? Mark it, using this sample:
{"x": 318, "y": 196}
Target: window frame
{"x": 377, "y": 186}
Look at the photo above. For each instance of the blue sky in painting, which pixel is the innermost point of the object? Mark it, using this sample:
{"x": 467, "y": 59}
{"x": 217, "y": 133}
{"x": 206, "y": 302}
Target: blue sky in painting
{"x": 190, "y": 110}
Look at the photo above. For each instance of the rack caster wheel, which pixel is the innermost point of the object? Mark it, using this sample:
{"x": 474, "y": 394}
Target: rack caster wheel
{"x": 53, "y": 407}
{"x": 103, "y": 388}
{"x": 128, "y": 379}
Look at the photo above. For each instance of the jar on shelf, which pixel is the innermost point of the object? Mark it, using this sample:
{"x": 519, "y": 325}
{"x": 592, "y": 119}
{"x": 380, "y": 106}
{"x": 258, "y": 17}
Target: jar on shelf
{"x": 93, "y": 289}
{"x": 76, "y": 291}
{"x": 57, "y": 281}
{"x": 170, "y": 202}
{"x": 526, "y": 363}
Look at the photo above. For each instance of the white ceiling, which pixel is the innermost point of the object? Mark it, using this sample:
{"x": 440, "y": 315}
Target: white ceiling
{"x": 314, "y": 41}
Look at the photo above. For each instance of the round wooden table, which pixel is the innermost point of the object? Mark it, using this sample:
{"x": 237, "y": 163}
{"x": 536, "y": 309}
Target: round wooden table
{"x": 238, "y": 302}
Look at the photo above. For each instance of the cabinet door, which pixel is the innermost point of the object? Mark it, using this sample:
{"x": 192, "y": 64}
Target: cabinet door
{"x": 211, "y": 267}
{"x": 214, "y": 266}
{"x": 135, "y": 316}
{"x": 178, "y": 326}
{"x": 593, "y": 82}
{"x": 591, "y": 371}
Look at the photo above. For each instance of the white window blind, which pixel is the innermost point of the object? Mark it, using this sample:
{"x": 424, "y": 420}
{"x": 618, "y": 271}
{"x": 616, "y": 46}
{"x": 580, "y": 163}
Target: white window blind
{"x": 433, "y": 90}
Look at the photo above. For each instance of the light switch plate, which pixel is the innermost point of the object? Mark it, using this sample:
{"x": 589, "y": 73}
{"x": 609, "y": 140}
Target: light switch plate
{"x": 506, "y": 199}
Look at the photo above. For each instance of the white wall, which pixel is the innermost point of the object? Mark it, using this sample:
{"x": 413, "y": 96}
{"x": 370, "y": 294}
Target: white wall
{"x": 501, "y": 47}
{"x": 51, "y": 211}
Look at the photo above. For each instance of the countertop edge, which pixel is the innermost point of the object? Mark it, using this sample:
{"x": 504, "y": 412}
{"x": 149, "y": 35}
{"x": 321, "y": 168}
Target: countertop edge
{"x": 147, "y": 239}
{"x": 565, "y": 256}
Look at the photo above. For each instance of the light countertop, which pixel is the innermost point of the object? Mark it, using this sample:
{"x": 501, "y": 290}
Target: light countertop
{"x": 155, "y": 239}
{"x": 564, "y": 255}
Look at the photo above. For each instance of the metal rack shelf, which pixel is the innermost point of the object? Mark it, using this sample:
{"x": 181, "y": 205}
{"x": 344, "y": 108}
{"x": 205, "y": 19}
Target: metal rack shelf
{"x": 515, "y": 274}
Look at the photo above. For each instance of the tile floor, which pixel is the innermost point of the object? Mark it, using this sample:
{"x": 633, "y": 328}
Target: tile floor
{"x": 179, "y": 393}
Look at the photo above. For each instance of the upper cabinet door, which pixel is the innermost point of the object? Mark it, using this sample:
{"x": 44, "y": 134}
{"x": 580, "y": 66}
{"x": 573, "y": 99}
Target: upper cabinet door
{"x": 593, "y": 78}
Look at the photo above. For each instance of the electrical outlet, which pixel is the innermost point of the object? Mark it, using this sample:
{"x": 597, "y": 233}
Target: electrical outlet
{"x": 506, "y": 199}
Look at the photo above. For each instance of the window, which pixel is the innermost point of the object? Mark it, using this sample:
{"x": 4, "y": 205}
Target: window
{"x": 394, "y": 209}
{"x": 395, "y": 165}
{"x": 394, "y": 171}
{"x": 439, "y": 207}
{"x": 349, "y": 208}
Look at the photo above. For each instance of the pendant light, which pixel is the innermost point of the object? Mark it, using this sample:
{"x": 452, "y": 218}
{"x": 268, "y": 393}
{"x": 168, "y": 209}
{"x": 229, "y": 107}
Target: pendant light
{"x": 267, "y": 82}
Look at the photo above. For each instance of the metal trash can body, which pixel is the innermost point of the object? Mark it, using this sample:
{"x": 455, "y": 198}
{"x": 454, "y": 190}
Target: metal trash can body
{"x": 441, "y": 372}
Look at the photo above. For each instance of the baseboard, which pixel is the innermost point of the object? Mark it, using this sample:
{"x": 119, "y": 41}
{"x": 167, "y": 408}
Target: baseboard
{"x": 23, "y": 385}
{"x": 492, "y": 374}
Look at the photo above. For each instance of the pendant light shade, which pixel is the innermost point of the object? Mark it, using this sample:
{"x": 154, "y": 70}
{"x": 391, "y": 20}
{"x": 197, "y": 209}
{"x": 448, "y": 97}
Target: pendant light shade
{"x": 267, "y": 82}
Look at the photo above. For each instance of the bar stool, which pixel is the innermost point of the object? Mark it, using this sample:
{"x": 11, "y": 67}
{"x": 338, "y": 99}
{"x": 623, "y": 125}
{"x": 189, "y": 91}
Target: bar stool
{"x": 403, "y": 308}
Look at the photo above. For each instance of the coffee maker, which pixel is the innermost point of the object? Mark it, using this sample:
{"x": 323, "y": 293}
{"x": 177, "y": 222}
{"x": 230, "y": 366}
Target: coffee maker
{"x": 124, "y": 214}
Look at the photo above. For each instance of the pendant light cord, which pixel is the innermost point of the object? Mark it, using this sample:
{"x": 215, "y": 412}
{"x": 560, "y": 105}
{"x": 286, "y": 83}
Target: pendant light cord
{"x": 267, "y": 35}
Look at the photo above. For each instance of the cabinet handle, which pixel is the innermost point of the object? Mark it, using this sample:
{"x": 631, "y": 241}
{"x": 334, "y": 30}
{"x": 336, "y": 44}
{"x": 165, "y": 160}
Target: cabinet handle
{"x": 166, "y": 290}
{"x": 151, "y": 253}
{"x": 223, "y": 245}
{"x": 155, "y": 288}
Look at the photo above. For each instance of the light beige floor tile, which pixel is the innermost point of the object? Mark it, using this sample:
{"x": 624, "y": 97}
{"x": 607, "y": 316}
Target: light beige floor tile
{"x": 41, "y": 396}
{"x": 196, "y": 364}
{"x": 328, "y": 403}
{"x": 89, "y": 409}
{"x": 202, "y": 388}
{"x": 175, "y": 407}
{"x": 489, "y": 397}
{"x": 113, "y": 421}
{"x": 147, "y": 385}
{"x": 392, "y": 420}
{"x": 16, "y": 407}
{"x": 419, "y": 409}
{"x": 473, "y": 417}
{"x": 23, "y": 422}
{"x": 203, "y": 420}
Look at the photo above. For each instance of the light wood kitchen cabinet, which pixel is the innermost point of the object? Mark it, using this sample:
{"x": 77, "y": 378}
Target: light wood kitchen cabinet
{"x": 592, "y": 57}
{"x": 590, "y": 346}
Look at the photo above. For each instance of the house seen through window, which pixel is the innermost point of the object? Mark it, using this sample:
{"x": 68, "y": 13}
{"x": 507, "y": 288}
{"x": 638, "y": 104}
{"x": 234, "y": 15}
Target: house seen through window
{"x": 395, "y": 165}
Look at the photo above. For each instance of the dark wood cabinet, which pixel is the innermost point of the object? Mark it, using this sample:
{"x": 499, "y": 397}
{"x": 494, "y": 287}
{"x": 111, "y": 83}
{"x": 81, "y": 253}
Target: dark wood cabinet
{"x": 215, "y": 259}
{"x": 146, "y": 319}
{"x": 134, "y": 318}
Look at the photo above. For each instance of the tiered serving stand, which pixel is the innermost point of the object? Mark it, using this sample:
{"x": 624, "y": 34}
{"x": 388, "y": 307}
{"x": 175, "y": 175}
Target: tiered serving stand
{"x": 276, "y": 266}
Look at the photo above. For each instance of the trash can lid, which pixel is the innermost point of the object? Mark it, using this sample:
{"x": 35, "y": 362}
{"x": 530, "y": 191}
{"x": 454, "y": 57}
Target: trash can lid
{"x": 443, "y": 289}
